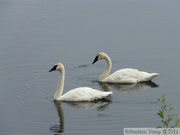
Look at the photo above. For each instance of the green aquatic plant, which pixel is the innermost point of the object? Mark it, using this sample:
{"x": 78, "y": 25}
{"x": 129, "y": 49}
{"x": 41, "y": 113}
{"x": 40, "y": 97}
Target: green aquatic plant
{"x": 166, "y": 115}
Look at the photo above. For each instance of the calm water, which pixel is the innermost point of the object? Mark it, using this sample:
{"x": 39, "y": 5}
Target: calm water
{"x": 36, "y": 34}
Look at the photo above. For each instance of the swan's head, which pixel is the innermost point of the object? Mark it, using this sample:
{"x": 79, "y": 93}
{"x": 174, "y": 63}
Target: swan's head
{"x": 99, "y": 56}
{"x": 57, "y": 67}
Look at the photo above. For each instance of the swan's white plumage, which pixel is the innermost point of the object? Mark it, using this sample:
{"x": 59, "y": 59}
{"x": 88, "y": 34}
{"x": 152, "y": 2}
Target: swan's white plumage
{"x": 126, "y": 75}
{"x": 130, "y": 75}
{"x": 84, "y": 94}
{"x": 77, "y": 94}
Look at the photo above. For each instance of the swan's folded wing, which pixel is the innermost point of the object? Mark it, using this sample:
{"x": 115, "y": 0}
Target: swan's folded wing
{"x": 127, "y": 75}
{"x": 84, "y": 94}
{"x": 130, "y": 75}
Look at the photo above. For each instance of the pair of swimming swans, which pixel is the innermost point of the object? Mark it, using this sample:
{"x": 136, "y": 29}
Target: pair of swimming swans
{"x": 127, "y": 75}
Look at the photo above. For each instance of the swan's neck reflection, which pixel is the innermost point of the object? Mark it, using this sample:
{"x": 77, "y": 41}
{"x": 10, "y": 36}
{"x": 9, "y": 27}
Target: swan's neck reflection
{"x": 59, "y": 128}
{"x": 104, "y": 86}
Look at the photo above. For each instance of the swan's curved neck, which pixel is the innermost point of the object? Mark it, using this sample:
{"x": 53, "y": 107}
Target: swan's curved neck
{"x": 106, "y": 73}
{"x": 60, "y": 86}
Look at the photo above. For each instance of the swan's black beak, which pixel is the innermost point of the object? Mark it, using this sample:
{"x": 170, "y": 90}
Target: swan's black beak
{"x": 96, "y": 59}
{"x": 53, "y": 69}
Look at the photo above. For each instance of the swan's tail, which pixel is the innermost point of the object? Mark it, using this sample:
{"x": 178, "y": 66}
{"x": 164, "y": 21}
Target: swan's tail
{"x": 153, "y": 75}
{"x": 105, "y": 96}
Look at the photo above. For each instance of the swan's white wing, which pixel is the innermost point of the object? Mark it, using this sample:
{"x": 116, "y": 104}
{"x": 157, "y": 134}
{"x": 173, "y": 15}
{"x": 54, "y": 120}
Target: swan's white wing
{"x": 129, "y": 75}
{"x": 84, "y": 94}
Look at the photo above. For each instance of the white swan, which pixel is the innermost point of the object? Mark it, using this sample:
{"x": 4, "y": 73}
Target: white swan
{"x": 77, "y": 94}
{"x": 126, "y": 75}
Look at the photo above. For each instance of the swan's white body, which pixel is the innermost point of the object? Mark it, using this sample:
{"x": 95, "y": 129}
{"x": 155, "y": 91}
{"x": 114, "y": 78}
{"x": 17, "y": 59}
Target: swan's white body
{"x": 126, "y": 75}
{"x": 77, "y": 94}
{"x": 84, "y": 94}
{"x": 130, "y": 75}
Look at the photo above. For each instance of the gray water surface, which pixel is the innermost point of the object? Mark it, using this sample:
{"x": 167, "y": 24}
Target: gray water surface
{"x": 34, "y": 35}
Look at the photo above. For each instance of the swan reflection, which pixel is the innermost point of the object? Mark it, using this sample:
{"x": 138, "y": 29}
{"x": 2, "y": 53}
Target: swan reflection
{"x": 128, "y": 87}
{"x": 58, "y": 129}
{"x": 100, "y": 105}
